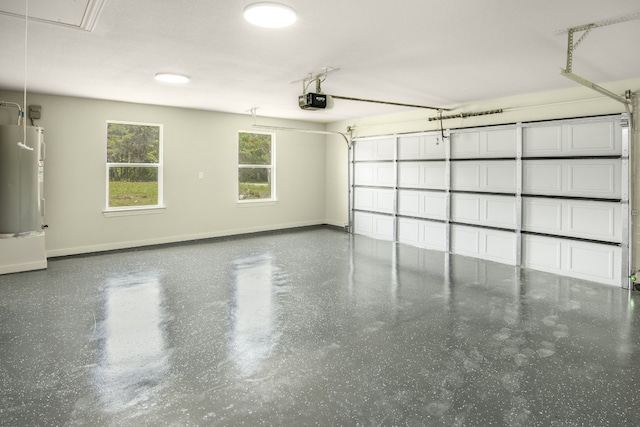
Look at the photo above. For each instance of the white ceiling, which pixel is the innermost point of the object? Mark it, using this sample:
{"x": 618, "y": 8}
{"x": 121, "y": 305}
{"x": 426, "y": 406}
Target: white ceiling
{"x": 440, "y": 53}
{"x": 79, "y": 14}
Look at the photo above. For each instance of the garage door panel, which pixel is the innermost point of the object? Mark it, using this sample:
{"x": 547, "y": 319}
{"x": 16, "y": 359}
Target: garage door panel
{"x": 542, "y": 141}
{"x": 585, "y": 219}
{"x": 363, "y": 223}
{"x": 434, "y": 235}
{"x": 428, "y": 175}
{"x": 484, "y": 144}
{"x": 385, "y": 149}
{"x": 576, "y": 138}
{"x": 465, "y": 145}
{"x": 542, "y": 178}
{"x": 489, "y": 244}
{"x": 500, "y": 177}
{"x": 500, "y": 246}
{"x": 597, "y": 178}
{"x": 465, "y": 240}
{"x": 542, "y": 215}
{"x": 465, "y": 176}
{"x": 501, "y": 143}
{"x": 433, "y": 175}
{"x": 585, "y": 260}
{"x": 594, "y": 261}
{"x": 385, "y": 201}
{"x": 593, "y": 139}
{"x": 373, "y": 225}
{"x": 374, "y": 149}
{"x": 424, "y": 204}
{"x": 500, "y": 212}
{"x": 363, "y": 174}
{"x": 409, "y": 147}
{"x": 415, "y": 147}
{"x": 363, "y": 199}
{"x": 425, "y": 234}
{"x": 465, "y": 208}
{"x": 374, "y": 199}
{"x": 374, "y": 174}
{"x": 409, "y": 203}
{"x": 486, "y": 176}
{"x": 434, "y": 205}
{"x": 363, "y": 150}
{"x": 409, "y": 231}
{"x": 484, "y": 209}
{"x": 385, "y": 175}
{"x": 383, "y": 227}
{"x": 409, "y": 175}
{"x": 542, "y": 253}
{"x": 595, "y": 220}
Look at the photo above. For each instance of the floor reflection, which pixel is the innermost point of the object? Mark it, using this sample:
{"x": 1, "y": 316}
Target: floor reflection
{"x": 254, "y": 314}
{"x": 309, "y": 328}
{"x": 134, "y": 355}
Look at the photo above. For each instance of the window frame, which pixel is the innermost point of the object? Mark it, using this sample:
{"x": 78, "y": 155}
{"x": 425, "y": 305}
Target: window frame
{"x": 271, "y": 167}
{"x": 142, "y": 209}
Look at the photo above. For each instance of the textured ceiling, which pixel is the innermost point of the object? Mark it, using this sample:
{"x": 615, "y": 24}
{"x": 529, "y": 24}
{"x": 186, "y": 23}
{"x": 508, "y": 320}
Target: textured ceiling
{"x": 440, "y": 53}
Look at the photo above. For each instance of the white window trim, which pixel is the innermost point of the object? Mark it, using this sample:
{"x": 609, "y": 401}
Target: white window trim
{"x": 262, "y": 202}
{"x": 133, "y": 210}
{"x": 137, "y": 210}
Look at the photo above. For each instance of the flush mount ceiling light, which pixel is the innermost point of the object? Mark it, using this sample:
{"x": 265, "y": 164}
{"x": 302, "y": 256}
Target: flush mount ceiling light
{"x": 270, "y": 15}
{"x": 171, "y": 78}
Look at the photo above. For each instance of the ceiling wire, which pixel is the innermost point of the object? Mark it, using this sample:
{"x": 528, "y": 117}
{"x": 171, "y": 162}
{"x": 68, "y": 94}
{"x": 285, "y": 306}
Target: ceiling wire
{"x": 24, "y": 145}
{"x": 26, "y": 33}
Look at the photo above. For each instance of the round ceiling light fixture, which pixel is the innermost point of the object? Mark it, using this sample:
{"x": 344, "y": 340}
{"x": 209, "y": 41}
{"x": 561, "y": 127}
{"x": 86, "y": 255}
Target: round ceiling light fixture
{"x": 270, "y": 15}
{"x": 171, "y": 78}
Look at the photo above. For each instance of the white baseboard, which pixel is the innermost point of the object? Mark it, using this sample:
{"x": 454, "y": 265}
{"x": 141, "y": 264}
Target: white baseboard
{"x": 26, "y": 266}
{"x": 176, "y": 239}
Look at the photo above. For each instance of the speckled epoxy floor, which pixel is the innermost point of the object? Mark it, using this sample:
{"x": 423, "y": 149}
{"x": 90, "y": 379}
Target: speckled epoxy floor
{"x": 312, "y": 327}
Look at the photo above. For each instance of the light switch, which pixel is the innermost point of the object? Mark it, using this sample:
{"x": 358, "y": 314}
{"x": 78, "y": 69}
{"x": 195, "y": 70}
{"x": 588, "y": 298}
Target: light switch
{"x": 200, "y": 175}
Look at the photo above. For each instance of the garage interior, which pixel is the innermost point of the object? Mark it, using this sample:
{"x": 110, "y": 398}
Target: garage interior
{"x": 449, "y": 240}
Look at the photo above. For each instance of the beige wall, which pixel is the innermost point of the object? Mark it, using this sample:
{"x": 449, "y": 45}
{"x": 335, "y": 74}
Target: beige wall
{"x": 577, "y": 101}
{"x": 194, "y": 141}
{"x": 312, "y": 169}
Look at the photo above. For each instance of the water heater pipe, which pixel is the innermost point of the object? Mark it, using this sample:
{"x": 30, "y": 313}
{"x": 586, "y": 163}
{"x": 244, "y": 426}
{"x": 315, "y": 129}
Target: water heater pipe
{"x": 14, "y": 105}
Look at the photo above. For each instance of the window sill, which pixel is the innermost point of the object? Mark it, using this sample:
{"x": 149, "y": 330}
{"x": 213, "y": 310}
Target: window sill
{"x": 256, "y": 202}
{"x": 128, "y": 211}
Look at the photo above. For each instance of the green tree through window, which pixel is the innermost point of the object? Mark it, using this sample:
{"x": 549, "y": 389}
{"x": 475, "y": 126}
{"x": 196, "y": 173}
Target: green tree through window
{"x": 255, "y": 166}
{"x": 133, "y": 164}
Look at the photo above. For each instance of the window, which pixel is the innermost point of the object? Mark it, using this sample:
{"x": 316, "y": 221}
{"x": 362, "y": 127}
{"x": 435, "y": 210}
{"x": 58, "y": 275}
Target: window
{"x": 134, "y": 165}
{"x": 256, "y": 166}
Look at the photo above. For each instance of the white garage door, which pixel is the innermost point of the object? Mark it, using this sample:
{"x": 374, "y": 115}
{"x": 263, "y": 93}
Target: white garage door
{"x": 551, "y": 195}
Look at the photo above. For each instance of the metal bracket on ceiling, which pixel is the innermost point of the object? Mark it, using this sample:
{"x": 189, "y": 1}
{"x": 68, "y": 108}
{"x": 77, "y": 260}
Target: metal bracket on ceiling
{"x": 571, "y": 46}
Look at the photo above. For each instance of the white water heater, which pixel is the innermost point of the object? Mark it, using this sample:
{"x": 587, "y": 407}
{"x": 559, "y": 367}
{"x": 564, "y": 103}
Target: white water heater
{"x": 22, "y": 245}
{"x": 21, "y": 163}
